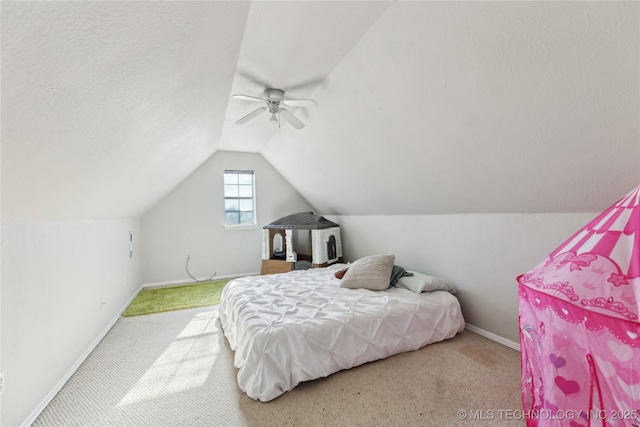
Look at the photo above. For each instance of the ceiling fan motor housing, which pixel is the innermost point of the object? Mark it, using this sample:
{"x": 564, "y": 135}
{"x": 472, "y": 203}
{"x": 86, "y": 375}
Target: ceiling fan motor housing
{"x": 274, "y": 95}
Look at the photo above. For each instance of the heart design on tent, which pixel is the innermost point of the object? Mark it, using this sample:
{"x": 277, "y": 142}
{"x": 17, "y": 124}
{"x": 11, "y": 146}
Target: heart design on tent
{"x": 622, "y": 352}
{"x": 608, "y": 369}
{"x": 629, "y": 389}
{"x": 557, "y": 361}
{"x": 632, "y": 335}
{"x": 628, "y": 375}
{"x": 567, "y": 386}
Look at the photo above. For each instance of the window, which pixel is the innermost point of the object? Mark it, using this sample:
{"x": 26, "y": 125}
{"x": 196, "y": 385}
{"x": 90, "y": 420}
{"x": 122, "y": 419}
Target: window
{"x": 239, "y": 198}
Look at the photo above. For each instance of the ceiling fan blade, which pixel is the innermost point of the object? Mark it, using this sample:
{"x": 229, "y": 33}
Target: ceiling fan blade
{"x": 291, "y": 118}
{"x": 249, "y": 98}
{"x": 254, "y": 79}
{"x": 309, "y": 84}
{"x": 300, "y": 102}
{"x": 251, "y": 115}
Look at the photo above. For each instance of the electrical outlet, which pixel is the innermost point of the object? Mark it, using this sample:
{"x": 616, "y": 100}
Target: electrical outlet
{"x": 1, "y": 382}
{"x": 130, "y": 244}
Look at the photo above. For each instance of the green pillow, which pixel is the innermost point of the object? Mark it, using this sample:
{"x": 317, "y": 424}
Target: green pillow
{"x": 396, "y": 273}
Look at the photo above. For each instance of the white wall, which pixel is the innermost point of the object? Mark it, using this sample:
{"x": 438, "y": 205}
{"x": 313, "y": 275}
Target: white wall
{"x": 63, "y": 284}
{"x": 481, "y": 254}
{"x": 1, "y": 365}
{"x": 190, "y": 221}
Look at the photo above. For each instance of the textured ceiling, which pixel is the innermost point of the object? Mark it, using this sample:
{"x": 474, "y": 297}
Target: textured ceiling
{"x": 107, "y": 106}
{"x": 424, "y": 107}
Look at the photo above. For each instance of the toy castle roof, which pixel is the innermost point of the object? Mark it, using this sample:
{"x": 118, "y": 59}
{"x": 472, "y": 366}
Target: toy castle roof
{"x": 303, "y": 221}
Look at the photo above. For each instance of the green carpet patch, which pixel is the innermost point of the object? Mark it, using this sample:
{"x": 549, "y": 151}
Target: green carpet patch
{"x": 150, "y": 301}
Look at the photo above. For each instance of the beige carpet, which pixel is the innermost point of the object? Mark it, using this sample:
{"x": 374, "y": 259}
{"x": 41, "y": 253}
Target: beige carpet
{"x": 176, "y": 369}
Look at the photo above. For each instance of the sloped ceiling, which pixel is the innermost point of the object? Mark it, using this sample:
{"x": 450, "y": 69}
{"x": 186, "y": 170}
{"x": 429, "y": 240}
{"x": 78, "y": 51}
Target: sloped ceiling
{"x": 424, "y": 107}
{"x": 107, "y": 106}
{"x": 461, "y": 107}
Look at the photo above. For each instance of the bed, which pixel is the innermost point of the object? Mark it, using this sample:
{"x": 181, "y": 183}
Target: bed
{"x": 301, "y": 325}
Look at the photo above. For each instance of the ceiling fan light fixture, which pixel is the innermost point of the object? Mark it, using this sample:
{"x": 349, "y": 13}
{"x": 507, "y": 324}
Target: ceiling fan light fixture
{"x": 273, "y": 118}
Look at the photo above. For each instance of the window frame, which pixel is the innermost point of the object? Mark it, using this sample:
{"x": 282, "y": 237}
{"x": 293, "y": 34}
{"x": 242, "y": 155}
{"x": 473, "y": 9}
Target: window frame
{"x": 239, "y": 172}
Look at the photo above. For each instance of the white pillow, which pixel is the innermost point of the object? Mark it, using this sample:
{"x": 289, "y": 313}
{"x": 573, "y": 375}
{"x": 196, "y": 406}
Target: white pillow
{"x": 371, "y": 272}
{"x": 423, "y": 283}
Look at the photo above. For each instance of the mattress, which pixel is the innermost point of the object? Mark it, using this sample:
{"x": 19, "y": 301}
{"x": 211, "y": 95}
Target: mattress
{"x": 299, "y": 326}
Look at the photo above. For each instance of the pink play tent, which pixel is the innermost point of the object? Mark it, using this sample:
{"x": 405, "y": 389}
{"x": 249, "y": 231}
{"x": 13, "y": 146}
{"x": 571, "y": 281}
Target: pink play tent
{"x": 579, "y": 326}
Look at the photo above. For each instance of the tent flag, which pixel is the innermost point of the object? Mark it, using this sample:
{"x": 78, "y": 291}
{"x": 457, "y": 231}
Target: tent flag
{"x": 579, "y": 325}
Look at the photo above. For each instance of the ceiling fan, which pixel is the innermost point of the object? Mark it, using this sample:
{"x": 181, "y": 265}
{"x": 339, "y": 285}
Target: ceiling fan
{"x": 273, "y": 98}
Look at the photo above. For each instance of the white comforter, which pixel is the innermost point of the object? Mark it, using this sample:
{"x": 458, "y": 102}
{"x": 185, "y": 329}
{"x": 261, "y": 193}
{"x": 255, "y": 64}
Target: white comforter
{"x": 298, "y": 326}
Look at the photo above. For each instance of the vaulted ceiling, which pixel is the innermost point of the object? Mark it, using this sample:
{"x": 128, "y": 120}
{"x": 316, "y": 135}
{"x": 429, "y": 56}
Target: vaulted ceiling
{"x": 423, "y": 107}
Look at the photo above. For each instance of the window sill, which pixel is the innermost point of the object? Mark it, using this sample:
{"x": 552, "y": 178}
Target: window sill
{"x": 240, "y": 227}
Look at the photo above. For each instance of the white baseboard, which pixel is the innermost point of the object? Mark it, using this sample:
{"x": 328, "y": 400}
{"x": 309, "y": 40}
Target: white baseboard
{"x": 185, "y": 281}
{"x": 43, "y": 404}
{"x": 493, "y": 337}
